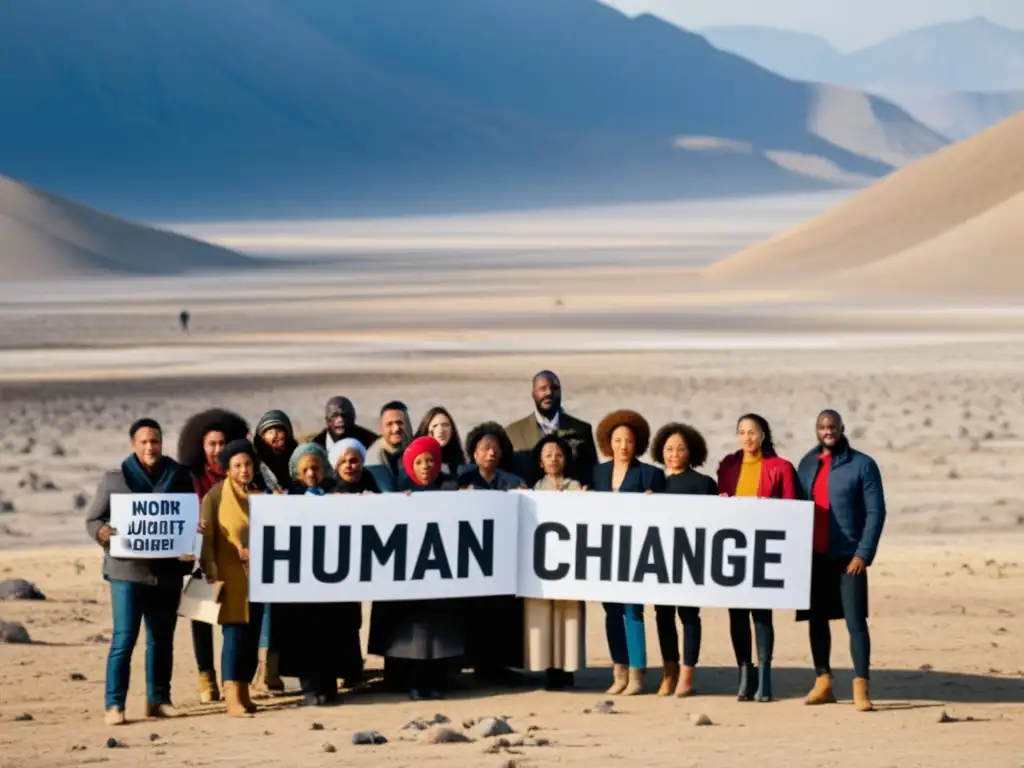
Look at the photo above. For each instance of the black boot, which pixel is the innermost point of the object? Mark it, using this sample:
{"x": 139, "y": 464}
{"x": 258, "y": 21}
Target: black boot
{"x": 748, "y": 683}
{"x": 764, "y": 682}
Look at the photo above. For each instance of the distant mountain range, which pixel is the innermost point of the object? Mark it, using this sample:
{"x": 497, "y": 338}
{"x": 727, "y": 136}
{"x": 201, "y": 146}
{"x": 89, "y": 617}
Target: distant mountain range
{"x": 197, "y": 109}
{"x": 958, "y": 78}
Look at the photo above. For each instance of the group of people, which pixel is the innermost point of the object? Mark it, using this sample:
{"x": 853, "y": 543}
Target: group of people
{"x": 424, "y": 642}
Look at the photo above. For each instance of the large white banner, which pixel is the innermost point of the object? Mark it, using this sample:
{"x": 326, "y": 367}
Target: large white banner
{"x": 153, "y": 525}
{"x": 666, "y": 549}
{"x": 341, "y": 547}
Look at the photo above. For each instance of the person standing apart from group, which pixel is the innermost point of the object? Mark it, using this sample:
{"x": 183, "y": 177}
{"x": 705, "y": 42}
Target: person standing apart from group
{"x": 624, "y": 436}
{"x": 849, "y": 514}
{"x": 681, "y": 449}
{"x": 755, "y": 470}
{"x": 141, "y": 590}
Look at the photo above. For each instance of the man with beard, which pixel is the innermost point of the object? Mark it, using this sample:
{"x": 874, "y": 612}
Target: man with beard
{"x": 384, "y": 457}
{"x": 549, "y": 418}
{"x": 340, "y": 416}
{"x": 849, "y": 513}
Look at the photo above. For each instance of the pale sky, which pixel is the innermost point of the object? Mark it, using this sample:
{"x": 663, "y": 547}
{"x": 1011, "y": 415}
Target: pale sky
{"x": 847, "y": 24}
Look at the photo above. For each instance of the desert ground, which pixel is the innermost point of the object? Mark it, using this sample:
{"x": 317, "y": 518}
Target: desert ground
{"x": 936, "y": 396}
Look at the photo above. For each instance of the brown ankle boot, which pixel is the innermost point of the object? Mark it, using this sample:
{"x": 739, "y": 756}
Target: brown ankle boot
{"x": 821, "y": 693}
{"x": 208, "y": 690}
{"x": 162, "y": 711}
{"x": 621, "y": 679}
{"x": 669, "y": 678}
{"x": 243, "y": 696}
{"x": 685, "y": 687}
{"x": 636, "y": 682}
{"x": 233, "y": 697}
{"x": 861, "y": 700}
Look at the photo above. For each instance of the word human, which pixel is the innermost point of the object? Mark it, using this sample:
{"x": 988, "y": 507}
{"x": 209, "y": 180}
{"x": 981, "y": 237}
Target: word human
{"x": 427, "y": 554}
{"x": 726, "y": 556}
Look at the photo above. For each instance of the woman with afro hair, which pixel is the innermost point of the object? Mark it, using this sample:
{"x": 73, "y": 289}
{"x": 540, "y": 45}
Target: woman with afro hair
{"x": 681, "y": 449}
{"x": 202, "y": 439}
{"x": 624, "y": 436}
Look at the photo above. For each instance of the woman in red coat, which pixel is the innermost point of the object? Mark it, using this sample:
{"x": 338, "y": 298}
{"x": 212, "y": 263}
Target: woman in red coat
{"x": 755, "y": 470}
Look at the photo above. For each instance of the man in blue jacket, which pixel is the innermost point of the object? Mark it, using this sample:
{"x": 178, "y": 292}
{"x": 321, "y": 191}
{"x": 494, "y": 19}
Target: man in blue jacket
{"x": 849, "y": 513}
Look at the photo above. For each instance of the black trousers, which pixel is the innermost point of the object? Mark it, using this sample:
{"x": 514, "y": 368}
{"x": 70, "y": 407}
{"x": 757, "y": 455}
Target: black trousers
{"x": 202, "y": 645}
{"x": 668, "y": 638}
{"x": 853, "y": 593}
{"x": 739, "y": 633}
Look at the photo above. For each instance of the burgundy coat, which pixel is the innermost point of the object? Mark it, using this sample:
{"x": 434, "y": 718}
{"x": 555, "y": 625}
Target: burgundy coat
{"x": 778, "y": 477}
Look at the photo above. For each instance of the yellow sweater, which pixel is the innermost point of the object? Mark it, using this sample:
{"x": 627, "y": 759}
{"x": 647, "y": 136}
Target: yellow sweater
{"x": 750, "y": 476}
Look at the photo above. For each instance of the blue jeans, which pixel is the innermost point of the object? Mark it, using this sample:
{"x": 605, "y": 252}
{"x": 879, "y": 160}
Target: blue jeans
{"x": 265, "y": 629}
{"x": 624, "y": 628}
{"x": 241, "y": 647}
{"x": 132, "y": 604}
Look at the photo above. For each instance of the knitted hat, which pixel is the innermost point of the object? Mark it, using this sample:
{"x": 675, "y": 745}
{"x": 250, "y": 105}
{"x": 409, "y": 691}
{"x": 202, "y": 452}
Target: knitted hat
{"x": 342, "y": 447}
{"x": 419, "y": 446}
{"x": 306, "y": 449}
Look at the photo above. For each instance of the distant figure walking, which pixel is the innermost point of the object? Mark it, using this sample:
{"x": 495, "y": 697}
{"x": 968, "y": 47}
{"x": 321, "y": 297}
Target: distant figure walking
{"x": 183, "y": 318}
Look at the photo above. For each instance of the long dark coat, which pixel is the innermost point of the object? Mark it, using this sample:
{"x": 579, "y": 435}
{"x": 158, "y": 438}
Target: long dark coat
{"x": 420, "y": 630}
{"x": 318, "y": 640}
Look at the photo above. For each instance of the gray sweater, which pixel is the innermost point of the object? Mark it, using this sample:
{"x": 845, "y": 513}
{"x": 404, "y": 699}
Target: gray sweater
{"x": 151, "y": 572}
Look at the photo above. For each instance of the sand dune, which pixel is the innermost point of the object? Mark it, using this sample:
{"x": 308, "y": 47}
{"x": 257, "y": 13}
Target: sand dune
{"x": 952, "y": 194}
{"x": 44, "y": 236}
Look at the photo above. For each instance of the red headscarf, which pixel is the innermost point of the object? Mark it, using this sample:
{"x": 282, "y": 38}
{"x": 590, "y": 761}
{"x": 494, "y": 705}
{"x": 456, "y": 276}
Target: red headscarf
{"x": 419, "y": 446}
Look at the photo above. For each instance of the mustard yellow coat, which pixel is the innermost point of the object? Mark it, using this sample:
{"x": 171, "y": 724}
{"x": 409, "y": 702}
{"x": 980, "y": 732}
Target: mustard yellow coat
{"x": 226, "y": 514}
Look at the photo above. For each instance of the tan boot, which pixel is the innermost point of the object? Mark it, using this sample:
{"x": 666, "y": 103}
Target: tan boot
{"x": 636, "y": 682}
{"x": 621, "y": 673}
{"x": 685, "y": 687}
{"x": 233, "y": 697}
{"x": 162, "y": 711}
{"x": 861, "y": 700}
{"x": 114, "y": 716}
{"x": 208, "y": 690}
{"x": 669, "y": 678}
{"x": 243, "y": 696}
{"x": 821, "y": 693}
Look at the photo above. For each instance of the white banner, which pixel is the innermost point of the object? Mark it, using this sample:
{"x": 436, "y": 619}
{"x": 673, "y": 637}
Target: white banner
{"x": 666, "y": 549}
{"x": 341, "y": 547}
{"x": 153, "y": 525}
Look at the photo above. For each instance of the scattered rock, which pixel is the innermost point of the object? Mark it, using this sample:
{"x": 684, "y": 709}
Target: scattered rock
{"x": 76, "y": 677}
{"x": 6, "y": 506}
{"x": 113, "y": 743}
{"x": 439, "y": 734}
{"x": 700, "y": 719}
{"x": 35, "y": 482}
{"x": 606, "y": 707}
{"x": 953, "y": 474}
{"x": 539, "y": 742}
{"x": 23, "y": 718}
{"x": 316, "y": 727}
{"x": 926, "y": 668}
{"x": 424, "y": 724}
{"x": 328, "y": 747}
{"x": 78, "y": 748}
{"x": 19, "y": 589}
{"x": 945, "y": 718}
{"x": 97, "y": 639}
{"x": 58, "y": 450}
{"x": 487, "y": 727}
{"x": 364, "y": 738}
{"x": 12, "y": 632}
{"x": 154, "y": 737}
{"x": 80, "y": 501}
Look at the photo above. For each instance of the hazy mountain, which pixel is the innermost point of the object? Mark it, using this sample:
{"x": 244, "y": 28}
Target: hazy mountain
{"x": 196, "y": 109}
{"x": 958, "y": 114}
{"x": 797, "y": 55}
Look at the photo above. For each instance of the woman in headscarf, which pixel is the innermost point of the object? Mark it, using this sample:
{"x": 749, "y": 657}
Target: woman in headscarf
{"x": 423, "y": 636}
{"x": 225, "y": 558}
{"x": 317, "y": 642}
{"x": 624, "y": 436}
{"x": 202, "y": 439}
{"x": 681, "y": 449}
{"x": 555, "y": 629}
{"x": 274, "y": 442}
{"x": 439, "y": 424}
{"x": 348, "y": 460}
{"x": 755, "y": 470}
{"x": 496, "y": 633}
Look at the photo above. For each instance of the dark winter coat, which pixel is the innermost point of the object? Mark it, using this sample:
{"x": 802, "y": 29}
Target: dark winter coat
{"x": 640, "y": 478}
{"x": 526, "y": 433}
{"x": 362, "y": 434}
